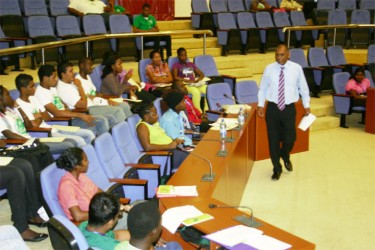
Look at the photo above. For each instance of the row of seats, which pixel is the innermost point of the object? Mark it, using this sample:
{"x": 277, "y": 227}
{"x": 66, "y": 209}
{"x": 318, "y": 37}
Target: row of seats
{"x": 320, "y": 65}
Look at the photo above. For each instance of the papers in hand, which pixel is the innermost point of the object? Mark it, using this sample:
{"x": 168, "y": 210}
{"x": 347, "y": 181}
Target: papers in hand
{"x": 173, "y": 217}
{"x": 162, "y": 85}
{"x": 5, "y": 160}
{"x": 230, "y": 122}
{"x": 134, "y": 83}
{"x": 306, "y": 121}
{"x": 173, "y": 191}
{"x": 242, "y": 235}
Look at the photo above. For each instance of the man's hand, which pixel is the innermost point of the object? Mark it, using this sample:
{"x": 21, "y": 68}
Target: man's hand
{"x": 77, "y": 83}
{"x": 88, "y": 119}
{"x": 307, "y": 111}
{"x": 260, "y": 111}
{"x": 112, "y": 103}
{"x": 3, "y": 144}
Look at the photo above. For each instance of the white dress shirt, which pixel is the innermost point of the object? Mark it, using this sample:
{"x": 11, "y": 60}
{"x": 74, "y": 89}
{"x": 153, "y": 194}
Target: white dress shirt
{"x": 295, "y": 84}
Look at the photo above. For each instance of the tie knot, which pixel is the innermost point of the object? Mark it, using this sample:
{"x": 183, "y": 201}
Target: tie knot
{"x": 282, "y": 68}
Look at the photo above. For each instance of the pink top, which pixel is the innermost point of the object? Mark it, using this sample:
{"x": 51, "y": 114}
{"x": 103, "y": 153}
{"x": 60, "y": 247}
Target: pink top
{"x": 73, "y": 193}
{"x": 358, "y": 87}
{"x": 162, "y": 70}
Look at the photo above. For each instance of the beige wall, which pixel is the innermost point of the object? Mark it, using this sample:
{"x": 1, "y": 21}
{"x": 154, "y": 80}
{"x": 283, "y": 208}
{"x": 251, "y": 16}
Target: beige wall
{"x": 182, "y": 8}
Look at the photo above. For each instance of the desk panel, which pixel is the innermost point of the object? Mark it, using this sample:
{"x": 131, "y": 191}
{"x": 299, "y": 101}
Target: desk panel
{"x": 370, "y": 111}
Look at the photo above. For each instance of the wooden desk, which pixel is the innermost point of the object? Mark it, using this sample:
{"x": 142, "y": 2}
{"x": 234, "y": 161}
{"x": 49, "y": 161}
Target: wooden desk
{"x": 232, "y": 173}
{"x": 370, "y": 111}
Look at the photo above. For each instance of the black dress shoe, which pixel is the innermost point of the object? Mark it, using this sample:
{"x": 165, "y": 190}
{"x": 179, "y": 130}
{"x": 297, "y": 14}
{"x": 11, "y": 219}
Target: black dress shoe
{"x": 289, "y": 166}
{"x": 276, "y": 176}
{"x": 38, "y": 224}
{"x": 37, "y": 238}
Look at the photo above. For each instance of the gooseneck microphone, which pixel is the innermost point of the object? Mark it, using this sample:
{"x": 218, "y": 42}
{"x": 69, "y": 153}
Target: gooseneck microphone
{"x": 250, "y": 222}
{"x": 233, "y": 99}
{"x": 221, "y": 109}
{"x": 206, "y": 177}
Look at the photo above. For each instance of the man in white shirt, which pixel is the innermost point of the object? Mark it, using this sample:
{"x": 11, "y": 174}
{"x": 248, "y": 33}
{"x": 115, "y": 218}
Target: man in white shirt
{"x": 83, "y": 7}
{"x": 46, "y": 94}
{"x": 37, "y": 114}
{"x": 85, "y": 69}
{"x": 282, "y": 84}
{"x": 12, "y": 124}
{"x": 71, "y": 92}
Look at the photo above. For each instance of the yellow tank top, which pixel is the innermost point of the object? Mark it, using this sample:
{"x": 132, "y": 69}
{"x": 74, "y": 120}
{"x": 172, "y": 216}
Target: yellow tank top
{"x": 157, "y": 134}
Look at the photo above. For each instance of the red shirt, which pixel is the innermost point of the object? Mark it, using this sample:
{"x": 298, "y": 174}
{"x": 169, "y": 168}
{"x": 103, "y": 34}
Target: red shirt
{"x": 194, "y": 115}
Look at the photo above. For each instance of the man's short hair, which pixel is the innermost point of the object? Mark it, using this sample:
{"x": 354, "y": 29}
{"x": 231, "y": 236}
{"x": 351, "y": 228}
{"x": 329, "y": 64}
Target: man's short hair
{"x": 142, "y": 219}
{"x": 62, "y": 67}
{"x": 180, "y": 50}
{"x": 22, "y": 80}
{"x": 45, "y": 70}
{"x": 103, "y": 208}
{"x": 146, "y": 5}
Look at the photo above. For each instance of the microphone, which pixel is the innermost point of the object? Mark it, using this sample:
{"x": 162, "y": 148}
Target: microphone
{"x": 221, "y": 109}
{"x": 243, "y": 219}
{"x": 233, "y": 99}
{"x": 206, "y": 177}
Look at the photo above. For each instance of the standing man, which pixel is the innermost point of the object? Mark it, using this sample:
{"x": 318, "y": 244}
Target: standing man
{"x": 282, "y": 83}
{"x": 147, "y": 23}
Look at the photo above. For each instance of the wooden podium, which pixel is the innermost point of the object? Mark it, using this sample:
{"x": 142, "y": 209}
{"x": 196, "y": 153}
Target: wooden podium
{"x": 232, "y": 174}
{"x": 370, "y": 111}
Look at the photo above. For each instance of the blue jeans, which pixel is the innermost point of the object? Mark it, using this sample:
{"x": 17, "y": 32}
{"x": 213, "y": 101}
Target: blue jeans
{"x": 101, "y": 125}
{"x": 114, "y": 114}
{"x": 82, "y": 136}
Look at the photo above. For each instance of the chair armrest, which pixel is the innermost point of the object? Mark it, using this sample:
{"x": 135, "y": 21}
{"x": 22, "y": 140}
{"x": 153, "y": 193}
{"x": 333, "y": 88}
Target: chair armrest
{"x": 214, "y": 112}
{"x": 143, "y": 166}
{"x": 11, "y": 142}
{"x": 229, "y": 76}
{"x": 109, "y": 96}
{"x": 129, "y": 182}
{"x": 60, "y": 121}
{"x": 338, "y": 66}
{"x": 46, "y": 131}
{"x": 314, "y": 68}
{"x": 124, "y": 201}
{"x": 158, "y": 153}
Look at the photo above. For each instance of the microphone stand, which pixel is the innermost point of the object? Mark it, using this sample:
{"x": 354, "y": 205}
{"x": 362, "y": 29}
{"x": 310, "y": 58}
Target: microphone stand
{"x": 243, "y": 219}
{"x": 238, "y": 102}
{"x": 206, "y": 177}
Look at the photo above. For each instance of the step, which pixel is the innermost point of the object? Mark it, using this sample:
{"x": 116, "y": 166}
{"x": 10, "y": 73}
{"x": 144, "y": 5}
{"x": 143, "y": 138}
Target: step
{"x": 193, "y": 43}
{"x": 322, "y": 106}
{"x": 237, "y": 72}
{"x": 174, "y": 25}
{"x": 224, "y": 62}
{"x": 326, "y": 122}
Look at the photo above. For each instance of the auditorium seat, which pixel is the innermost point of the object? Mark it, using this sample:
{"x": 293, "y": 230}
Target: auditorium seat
{"x": 125, "y": 47}
{"x": 247, "y": 91}
{"x": 248, "y": 30}
{"x": 201, "y": 16}
{"x": 228, "y": 34}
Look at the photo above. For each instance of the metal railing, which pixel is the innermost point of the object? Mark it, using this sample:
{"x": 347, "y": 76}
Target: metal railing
{"x": 322, "y": 27}
{"x": 87, "y": 39}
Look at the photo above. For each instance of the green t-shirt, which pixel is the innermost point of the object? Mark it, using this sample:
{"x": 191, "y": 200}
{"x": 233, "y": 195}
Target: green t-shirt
{"x": 105, "y": 242}
{"x": 144, "y": 23}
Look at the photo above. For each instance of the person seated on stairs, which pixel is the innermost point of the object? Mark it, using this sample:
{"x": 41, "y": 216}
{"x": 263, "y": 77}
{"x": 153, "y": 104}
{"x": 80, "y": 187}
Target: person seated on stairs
{"x": 261, "y": 5}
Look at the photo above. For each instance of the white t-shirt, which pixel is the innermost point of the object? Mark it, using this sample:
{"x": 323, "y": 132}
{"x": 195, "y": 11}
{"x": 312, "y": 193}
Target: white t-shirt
{"x": 87, "y": 6}
{"x": 32, "y": 107}
{"x": 12, "y": 120}
{"x": 87, "y": 85}
{"x": 47, "y": 96}
{"x": 68, "y": 93}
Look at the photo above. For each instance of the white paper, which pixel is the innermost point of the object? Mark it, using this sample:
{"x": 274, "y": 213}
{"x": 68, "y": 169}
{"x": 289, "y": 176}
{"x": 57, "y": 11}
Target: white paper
{"x": 185, "y": 190}
{"x": 52, "y": 139}
{"x": 232, "y": 236}
{"x": 265, "y": 242}
{"x": 306, "y": 121}
{"x": 230, "y": 122}
{"x": 162, "y": 85}
{"x": 66, "y": 128}
{"x": 98, "y": 101}
{"x": 235, "y": 108}
{"x": 5, "y": 160}
{"x": 173, "y": 217}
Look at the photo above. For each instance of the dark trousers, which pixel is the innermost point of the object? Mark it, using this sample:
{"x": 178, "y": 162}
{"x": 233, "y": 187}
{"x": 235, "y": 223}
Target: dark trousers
{"x": 157, "y": 40}
{"x": 281, "y": 131}
{"x": 19, "y": 180}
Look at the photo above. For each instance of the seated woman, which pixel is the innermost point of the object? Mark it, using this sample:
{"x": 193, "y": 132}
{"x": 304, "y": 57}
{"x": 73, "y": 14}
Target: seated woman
{"x": 261, "y": 5}
{"x": 290, "y": 5}
{"x": 190, "y": 74}
{"x": 157, "y": 73}
{"x": 19, "y": 180}
{"x": 357, "y": 87}
{"x": 115, "y": 80}
{"x": 76, "y": 189}
{"x": 173, "y": 120}
{"x": 152, "y": 137}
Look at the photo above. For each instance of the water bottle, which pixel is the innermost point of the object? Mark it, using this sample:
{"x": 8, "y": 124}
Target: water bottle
{"x": 223, "y": 130}
{"x": 241, "y": 117}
